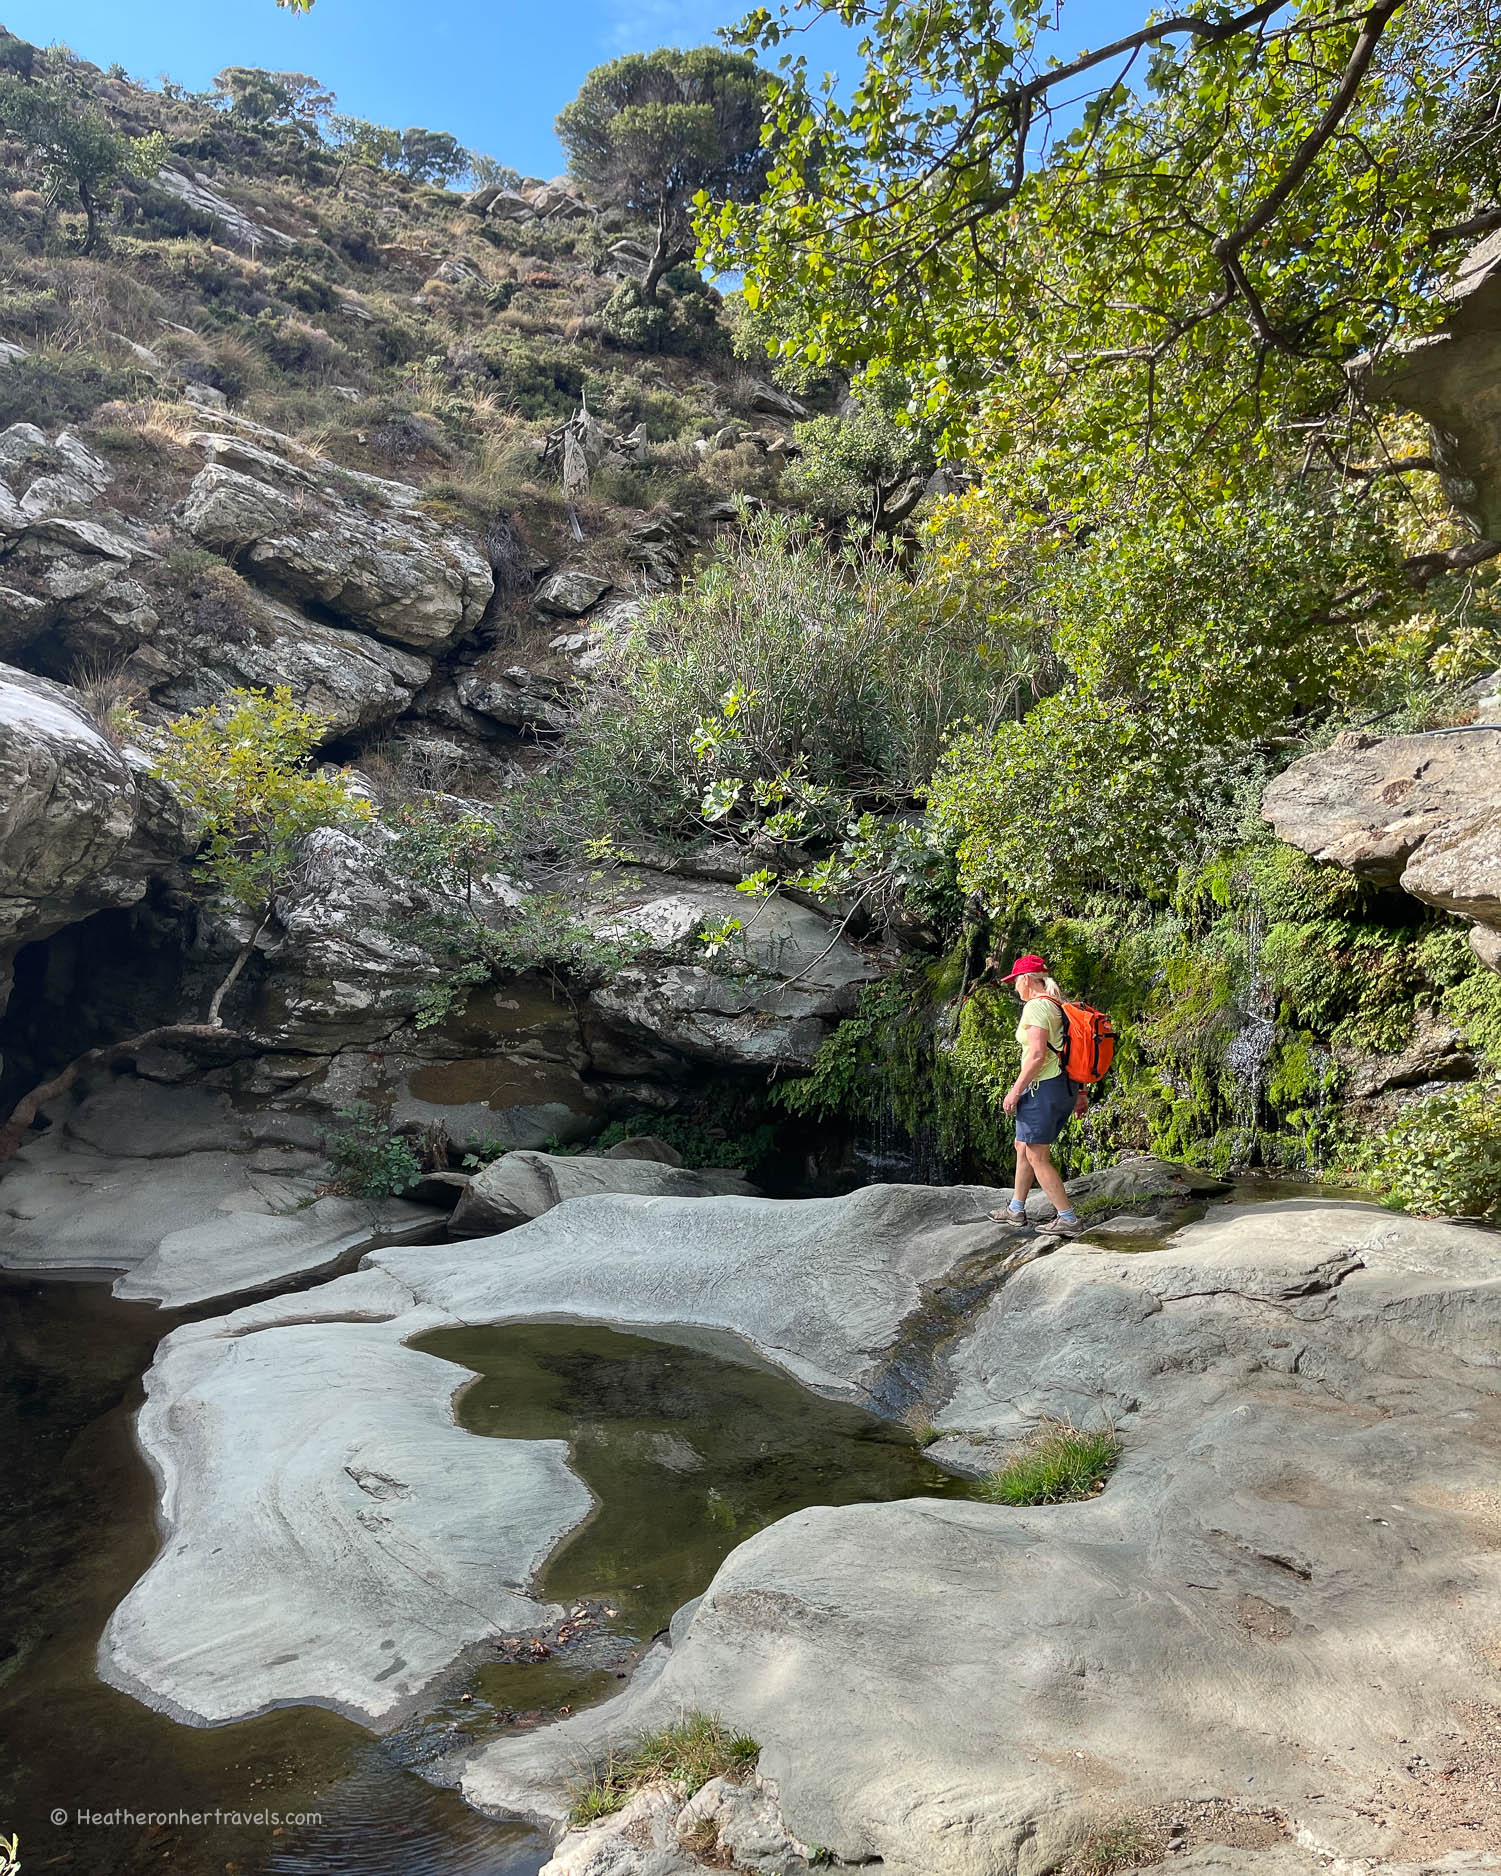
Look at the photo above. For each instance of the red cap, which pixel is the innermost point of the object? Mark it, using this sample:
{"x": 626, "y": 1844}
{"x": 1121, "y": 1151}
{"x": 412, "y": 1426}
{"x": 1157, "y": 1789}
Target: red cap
{"x": 1029, "y": 966}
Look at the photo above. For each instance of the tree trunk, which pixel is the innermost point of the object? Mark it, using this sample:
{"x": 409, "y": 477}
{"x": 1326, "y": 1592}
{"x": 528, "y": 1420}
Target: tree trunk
{"x": 91, "y": 209}
{"x": 665, "y": 256}
{"x": 14, "y": 1131}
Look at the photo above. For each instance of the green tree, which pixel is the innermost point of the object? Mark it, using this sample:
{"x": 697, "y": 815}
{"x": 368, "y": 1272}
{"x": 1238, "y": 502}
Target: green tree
{"x": 865, "y": 464}
{"x": 1253, "y": 197}
{"x": 363, "y": 142}
{"x": 274, "y": 97}
{"x": 650, "y": 132}
{"x": 243, "y": 770}
{"x": 486, "y": 170}
{"x": 72, "y": 147}
{"x": 430, "y": 156}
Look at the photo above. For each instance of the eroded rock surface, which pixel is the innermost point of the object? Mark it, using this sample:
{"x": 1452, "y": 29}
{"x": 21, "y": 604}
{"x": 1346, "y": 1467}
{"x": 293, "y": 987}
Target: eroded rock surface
{"x": 189, "y": 1201}
{"x": 270, "y": 1588}
{"x": 1282, "y": 1599}
{"x": 522, "y": 1186}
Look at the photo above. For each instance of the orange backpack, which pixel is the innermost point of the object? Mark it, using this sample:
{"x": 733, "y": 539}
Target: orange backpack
{"x": 1088, "y": 1042}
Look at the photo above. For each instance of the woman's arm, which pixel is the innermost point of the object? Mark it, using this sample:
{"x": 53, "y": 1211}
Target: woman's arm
{"x": 1034, "y": 1052}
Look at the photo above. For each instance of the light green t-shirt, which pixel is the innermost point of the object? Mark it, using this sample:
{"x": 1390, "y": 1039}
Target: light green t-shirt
{"x": 1040, "y": 1013}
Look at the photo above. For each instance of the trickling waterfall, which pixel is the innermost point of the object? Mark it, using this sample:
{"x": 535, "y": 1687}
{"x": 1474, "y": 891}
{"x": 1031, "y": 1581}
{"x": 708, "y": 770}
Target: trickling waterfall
{"x": 1249, "y": 1053}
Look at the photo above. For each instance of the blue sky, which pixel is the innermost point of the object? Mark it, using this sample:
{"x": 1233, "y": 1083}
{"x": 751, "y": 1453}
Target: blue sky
{"x": 493, "y": 72}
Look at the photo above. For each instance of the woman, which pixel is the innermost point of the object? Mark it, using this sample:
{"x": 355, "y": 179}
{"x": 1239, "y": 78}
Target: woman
{"x": 1042, "y": 1097}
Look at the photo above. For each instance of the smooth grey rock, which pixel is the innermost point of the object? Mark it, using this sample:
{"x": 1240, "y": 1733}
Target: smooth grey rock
{"x": 775, "y": 403}
{"x": 1279, "y": 1599}
{"x": 334, "y": 1536}
{"x": 396, "y": 574}
{"x": 523, "y": 1185}
{"x": 517, "y": 697}
{"x": 276, "y": 1583}
{"x": 82, "y": 824}
{"x": 194, "y": 1226}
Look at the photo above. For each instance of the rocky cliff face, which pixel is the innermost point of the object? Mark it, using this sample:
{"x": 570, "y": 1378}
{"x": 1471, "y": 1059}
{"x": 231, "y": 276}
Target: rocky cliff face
{"x": 311, "y": 429}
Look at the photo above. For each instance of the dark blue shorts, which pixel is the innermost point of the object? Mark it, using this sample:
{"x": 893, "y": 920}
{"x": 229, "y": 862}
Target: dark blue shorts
{"x": 1042, "y": 1112}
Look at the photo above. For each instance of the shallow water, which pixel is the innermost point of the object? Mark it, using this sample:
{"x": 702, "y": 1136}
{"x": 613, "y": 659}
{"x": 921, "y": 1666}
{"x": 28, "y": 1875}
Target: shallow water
{"x": 688, "y": 1448}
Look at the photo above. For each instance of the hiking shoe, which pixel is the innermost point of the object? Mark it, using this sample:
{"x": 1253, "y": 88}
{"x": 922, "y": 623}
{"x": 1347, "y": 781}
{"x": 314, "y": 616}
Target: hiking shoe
{"x": 1063, "y": 1228}
{"x": 1012, "y": 1221}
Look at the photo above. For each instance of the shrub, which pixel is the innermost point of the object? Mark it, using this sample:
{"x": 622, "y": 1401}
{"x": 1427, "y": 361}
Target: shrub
{"x": 1124, "y": 1844}
{"x": 1061, "y": 1462}
{"x": 368, "y": 1161}
{"x": 1442, "y": 1154}
{"x": 691, "y": 1751}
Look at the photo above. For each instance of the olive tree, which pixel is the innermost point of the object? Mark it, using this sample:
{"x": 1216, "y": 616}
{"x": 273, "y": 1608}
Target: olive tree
{"x": 652, "y": 131}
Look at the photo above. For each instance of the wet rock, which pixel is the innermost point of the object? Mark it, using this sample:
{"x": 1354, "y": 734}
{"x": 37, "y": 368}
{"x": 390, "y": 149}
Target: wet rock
{"x": 523, "y": 1186}
{"x": 1218, "y": 1622}
{"x": 283, "y": 1579}
{"x": 1138, "y": 1178}
{"x": 1438, "y": 1052}
{"x": 571, "y": 593}
{"x": 176, "y": 1191}
{"x": 385, "y": 568}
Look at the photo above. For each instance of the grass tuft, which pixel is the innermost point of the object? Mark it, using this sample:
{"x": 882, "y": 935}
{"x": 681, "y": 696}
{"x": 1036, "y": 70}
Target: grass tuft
{"x": 1059, "y": 1463}
{"x": 1125, "y": 1844}
{"x": 691, "y": 1751}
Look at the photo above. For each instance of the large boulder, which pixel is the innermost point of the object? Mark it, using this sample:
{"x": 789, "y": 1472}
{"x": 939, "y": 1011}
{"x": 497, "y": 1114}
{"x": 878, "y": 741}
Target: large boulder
{"x": 1422, "y": 812}
{"x": 521, "y": 1186}
{"x": 1282, "y": 1601}
{"x": 332, "y": 1536}
{"x": 378, "y": 562}
{"x": 769, "y": 999}
{"x": 82, "y": 823}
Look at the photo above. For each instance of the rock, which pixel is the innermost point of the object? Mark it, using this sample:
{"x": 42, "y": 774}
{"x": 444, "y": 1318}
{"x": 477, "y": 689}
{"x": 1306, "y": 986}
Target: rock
{"x": 281, "y": 1578}
{"x": 1438, "y": 1052}
{"x": 517, "y": 697}
{"x": 645, "y": 1146}
{"x": 1133, "y": 1180}
{"x": 1485, "y": 942}
{"x": 478, "y": 202}
{"x": 398, "y": 575}
{"x": 82, "y": 824}
{"x": 346, "y": 967}
{"x": 1423, "y": 812}
{"x": 198, "y": 192}
{"x": 640, "y": 1839}
{"x": 509, "y": 206}
{"x": 11, "y": 353}
{"x": 569, "y": 594}
{"x": 775, "y": 403}
{"x": 162, "y": 1184}
{"x": 1306, "y": 1394}
{"x": 790, "y": 978}
{"x": 522, "y": 1186}
{"x": 353, "y": 680}
{"x": 747, "y": 1828}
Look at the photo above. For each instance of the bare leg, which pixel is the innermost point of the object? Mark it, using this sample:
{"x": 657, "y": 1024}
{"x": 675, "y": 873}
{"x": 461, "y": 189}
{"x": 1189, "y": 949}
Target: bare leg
{"x": 1040, "y": 1162}
{"x": 1023, "y": 1183}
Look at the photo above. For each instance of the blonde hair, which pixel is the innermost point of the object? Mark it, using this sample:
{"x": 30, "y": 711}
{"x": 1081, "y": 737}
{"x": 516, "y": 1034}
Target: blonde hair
{"x": 1049, "y": 985}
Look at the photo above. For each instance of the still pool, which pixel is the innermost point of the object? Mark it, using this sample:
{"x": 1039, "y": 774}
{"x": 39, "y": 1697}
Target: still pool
{"x": 689, "y": 1445}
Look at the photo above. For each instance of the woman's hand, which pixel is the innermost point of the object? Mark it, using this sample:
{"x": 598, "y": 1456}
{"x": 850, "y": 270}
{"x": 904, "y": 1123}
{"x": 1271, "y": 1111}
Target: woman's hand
{"x": 1008, "y": 1106}
{"x": 1081, "y": 1106}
